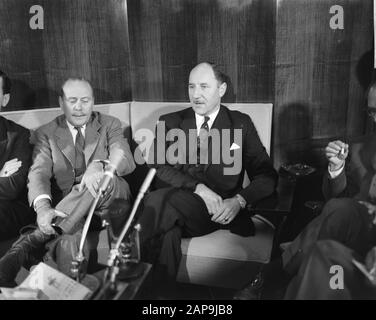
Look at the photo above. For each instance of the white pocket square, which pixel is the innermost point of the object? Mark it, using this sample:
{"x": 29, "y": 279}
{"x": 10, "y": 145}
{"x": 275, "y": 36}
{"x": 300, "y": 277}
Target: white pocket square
{"x": 234, "y": 146}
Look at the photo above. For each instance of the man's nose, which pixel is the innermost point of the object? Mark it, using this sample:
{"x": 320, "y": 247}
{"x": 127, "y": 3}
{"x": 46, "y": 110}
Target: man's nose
{"x": 196, "y": 92}
{"x": 78, "y": 105}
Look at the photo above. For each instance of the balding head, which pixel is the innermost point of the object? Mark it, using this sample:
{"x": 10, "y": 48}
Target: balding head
{"x": 206, "y": 88}
{"x": 77, "y": 101}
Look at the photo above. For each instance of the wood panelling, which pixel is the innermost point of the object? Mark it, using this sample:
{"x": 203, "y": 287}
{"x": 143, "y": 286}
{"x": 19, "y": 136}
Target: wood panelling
{"x": 86, "y": 38}
{"x": 169, "y": 37}
{"x": 279, "y": 51}
{"x": 318, "y": 93}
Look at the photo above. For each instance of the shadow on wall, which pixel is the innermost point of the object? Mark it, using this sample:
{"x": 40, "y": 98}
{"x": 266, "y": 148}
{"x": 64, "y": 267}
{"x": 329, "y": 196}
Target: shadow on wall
{"x": 230, "y": 95}
{"x": 365, "y": 71}
{"x": 295, "y": 135}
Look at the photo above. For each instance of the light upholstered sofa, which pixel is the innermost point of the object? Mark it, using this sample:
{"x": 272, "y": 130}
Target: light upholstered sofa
{"x": 217, "y": 259}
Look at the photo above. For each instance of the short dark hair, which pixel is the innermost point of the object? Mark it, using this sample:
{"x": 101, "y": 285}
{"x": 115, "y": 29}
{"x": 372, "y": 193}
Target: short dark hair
{"x": 7, "y": 84}
{"x": 218, "y": 74}
{"x": 61, "y": 91}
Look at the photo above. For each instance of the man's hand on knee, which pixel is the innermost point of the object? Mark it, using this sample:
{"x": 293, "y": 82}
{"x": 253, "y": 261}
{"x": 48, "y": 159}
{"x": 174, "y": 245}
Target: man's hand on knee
{"x": 212, "y": 200}
{"x": 227, "y": 212}
{"x": 45, "y": 216}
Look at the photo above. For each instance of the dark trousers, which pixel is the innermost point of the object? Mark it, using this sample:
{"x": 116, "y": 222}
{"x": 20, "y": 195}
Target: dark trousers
{"x": 13, "y": 216}
{"x": 314, "y": 277}
{"x": 170, "y": 214}
{"x": 62, "y": 249}
{"x": 343, "y": 220}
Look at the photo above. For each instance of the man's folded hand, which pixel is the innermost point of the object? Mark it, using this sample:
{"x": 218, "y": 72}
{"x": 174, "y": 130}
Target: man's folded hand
{"x": 212, "y": 200}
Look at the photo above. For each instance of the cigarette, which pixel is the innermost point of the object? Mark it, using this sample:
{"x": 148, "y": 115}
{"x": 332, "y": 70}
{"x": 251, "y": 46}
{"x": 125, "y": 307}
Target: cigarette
{"x": 373, "y": 271}
{"x": 341, "y": 153}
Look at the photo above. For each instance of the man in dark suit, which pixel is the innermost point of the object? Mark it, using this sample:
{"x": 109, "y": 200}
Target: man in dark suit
{"x": 344, "y": 230}
{"x": 202, "y": 191}
{"x": 66, "y": 173}
{"x": 15, "y": 159}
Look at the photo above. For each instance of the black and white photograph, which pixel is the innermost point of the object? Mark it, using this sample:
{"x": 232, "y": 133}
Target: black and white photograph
{"x": 187, "y": 155}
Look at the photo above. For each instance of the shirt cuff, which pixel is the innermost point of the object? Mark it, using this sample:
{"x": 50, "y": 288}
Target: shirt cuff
{"x": 242, "y": 201}
{"x": 42, "y": 196}
{"x": 334, "y": 174}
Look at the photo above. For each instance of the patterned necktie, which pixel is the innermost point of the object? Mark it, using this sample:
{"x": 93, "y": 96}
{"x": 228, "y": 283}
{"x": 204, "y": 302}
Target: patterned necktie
{"x": 80, "y": 166}
{"x": 202, "y": 142}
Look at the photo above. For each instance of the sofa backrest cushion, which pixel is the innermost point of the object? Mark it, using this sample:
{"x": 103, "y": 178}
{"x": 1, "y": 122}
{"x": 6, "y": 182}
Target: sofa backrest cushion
{"x": 144, "y": 115}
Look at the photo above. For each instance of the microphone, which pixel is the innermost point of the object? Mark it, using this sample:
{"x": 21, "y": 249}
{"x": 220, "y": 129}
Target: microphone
{"x": 117, "y": 267}
{"x": 67, "y": 225}
{"x": 144, "y": 187}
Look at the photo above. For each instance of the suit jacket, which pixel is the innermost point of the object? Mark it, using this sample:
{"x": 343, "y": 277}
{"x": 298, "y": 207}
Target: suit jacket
{"x": 52, "y": 171}
{"x": 251, "y": 153}
{"x": 14, "y": 143}
{"x": 360, "y": 168}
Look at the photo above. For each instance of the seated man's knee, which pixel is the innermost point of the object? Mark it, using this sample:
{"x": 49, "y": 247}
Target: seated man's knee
{"x": 342, "y": 208}
{"x": 326, "y": 246}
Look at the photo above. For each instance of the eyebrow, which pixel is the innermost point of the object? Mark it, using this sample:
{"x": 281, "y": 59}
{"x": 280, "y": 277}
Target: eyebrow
{"x": 74, "y": 97}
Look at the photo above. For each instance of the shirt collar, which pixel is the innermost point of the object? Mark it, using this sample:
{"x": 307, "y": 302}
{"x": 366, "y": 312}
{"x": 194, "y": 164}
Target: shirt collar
{"x": 73, "y": 131}
{"x": 200, "y": 119}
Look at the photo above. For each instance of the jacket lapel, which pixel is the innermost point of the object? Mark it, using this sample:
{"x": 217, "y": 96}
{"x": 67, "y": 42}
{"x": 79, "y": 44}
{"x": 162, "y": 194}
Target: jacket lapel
{"x": 189, "y": 123}
{"x": 91, "y": 138}
{"x": 4, "y": 137}
{"x": 64, "y": 140}
{"x": 222, "y": 121}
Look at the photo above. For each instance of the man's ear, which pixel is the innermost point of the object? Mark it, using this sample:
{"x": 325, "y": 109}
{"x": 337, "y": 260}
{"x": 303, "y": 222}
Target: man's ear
{"x": 5, "y": 101}
{"x": 222, "y": 89}
{"x": 61, "y": 102}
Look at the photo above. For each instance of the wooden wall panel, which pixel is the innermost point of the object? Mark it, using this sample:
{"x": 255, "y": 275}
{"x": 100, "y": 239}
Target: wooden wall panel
{"x": 169, "y": 37}
{"x": 80, "y": 38}
{"x": 144, "y": 39}
{"x": 21, "y": 51}
{"x": 317, "y": 97}
{"x": 279, "y": 51}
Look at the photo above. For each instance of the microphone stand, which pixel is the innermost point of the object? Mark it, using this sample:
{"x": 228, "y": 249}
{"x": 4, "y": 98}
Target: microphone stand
{"x": 77, "y": 269}
{"x": 114, "y": 259}
{"x": 78, "y": 262}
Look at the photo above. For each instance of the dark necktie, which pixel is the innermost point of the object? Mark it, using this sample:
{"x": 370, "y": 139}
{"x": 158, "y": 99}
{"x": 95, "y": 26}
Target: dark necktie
{"x": 80, "y": 166}
{"x": 202, "y": 142}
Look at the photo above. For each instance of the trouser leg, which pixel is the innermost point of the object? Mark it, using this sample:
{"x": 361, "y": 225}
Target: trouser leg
{"x": 168, "y": 215}
{"x": 343, "y": 220}
{"x": 79, "y": 202}
{"x": 28, "y": 250}
{"x": 13, "y": 216}
{"x": 327, "y": 272}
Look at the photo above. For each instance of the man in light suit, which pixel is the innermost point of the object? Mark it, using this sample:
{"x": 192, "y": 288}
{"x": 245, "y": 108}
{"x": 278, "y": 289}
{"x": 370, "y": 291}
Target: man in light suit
{"x": 65, "y": 175}
{"x": 201, "y": 195}
{"x": 15, "y": 160}
{"x": 344, "y": 230}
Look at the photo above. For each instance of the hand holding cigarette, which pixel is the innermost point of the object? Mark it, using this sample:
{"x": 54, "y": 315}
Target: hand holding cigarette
{"x": 336, "y": 152}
